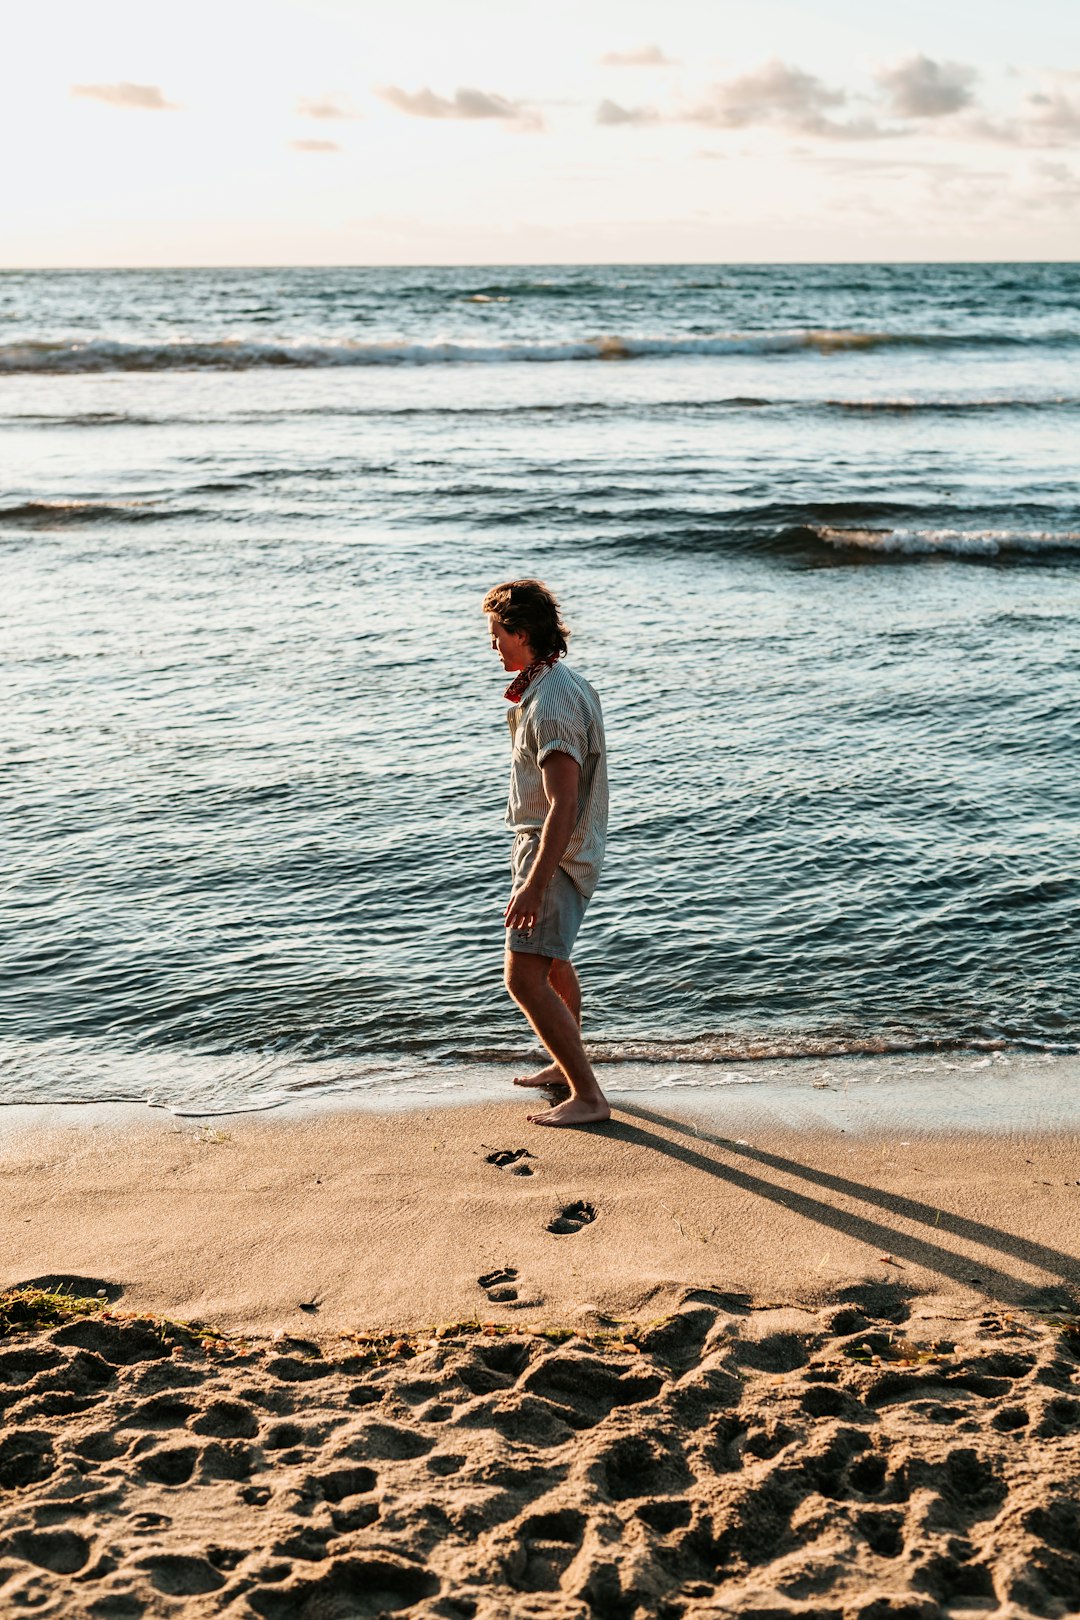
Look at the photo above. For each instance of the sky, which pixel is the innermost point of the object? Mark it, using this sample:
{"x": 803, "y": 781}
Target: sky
{"x": 508, "y": 131}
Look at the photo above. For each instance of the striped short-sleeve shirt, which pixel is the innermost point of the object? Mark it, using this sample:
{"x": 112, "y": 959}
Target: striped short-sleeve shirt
{"x": 560, "y": 713}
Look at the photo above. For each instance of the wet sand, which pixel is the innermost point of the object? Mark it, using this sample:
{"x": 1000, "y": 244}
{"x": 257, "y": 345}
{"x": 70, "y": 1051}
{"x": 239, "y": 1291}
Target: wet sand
{"x": 825, "y": 1371}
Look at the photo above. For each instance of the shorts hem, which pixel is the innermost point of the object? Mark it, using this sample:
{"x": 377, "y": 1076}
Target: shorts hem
{"x": 537, "y": 947}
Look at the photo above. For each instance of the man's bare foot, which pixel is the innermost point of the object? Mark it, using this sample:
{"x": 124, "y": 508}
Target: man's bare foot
{"x": 551, "y": 1076}
{"x": 576, "y": 1111}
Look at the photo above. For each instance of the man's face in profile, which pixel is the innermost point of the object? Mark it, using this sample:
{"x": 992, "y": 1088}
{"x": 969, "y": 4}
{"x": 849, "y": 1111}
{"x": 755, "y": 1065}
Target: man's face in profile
{"x": 512, "y": 647}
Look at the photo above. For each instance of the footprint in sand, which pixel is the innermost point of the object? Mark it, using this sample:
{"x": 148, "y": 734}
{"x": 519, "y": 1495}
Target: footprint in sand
{"x": 499, "y": 1285}
{"x": 26, "y": 1458}
{"x": 572, "y": 1218}
{"x": 512, "y": 1159}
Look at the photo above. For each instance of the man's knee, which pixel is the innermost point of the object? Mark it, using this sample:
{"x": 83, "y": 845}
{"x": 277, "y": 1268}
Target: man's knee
{"x": 525, "y": 974}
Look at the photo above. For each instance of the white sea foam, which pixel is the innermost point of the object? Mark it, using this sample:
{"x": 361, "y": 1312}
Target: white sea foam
{"x": 729, "y": 1077}
{"x": 953, "y": 542}
{"x": 959, "y": 403}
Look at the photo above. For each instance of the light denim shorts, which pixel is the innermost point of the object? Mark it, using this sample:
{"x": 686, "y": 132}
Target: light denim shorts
{"x": 561, "y": 910}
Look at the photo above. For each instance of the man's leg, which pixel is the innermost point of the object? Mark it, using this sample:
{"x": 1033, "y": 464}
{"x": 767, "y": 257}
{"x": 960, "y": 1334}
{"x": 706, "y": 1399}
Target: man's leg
{"x": 566, "y": 984}
{"x": 564, "y": 981}
{"x": 528, "y": 981}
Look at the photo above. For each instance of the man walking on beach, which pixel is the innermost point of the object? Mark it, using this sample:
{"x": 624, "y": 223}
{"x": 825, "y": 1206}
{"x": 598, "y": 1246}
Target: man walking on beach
{"x": 558, "y": 812}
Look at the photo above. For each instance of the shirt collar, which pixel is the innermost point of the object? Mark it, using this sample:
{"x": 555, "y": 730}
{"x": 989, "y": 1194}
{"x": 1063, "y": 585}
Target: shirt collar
{"x": 525, "y": 679}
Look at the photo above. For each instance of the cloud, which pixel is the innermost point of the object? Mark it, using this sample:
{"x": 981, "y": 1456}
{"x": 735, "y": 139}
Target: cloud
{"x": 465, "y": 103}
{"x": 324, "y": 109}
{"x": 145, "y": 97}
{"x": 610, "y": 112}
{"x": 1056, "y": 116}
{"x": 774, "y": 92}
{"x": 1051, "y": 118}
{"x": 777, "y": 94}
{"x": 315, "y": 146}
{"x": 783, "y": 95}
{"x": 642, "y": 56}
{"x": 923, "y": 88}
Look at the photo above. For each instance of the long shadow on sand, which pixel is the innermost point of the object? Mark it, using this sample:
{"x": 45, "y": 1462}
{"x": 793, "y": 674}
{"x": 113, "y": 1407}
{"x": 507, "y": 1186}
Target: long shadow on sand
{"x": 985, "y": 1276}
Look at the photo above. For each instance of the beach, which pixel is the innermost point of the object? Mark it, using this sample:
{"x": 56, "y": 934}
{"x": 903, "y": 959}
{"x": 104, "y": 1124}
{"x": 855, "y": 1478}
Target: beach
{"x": 485, "y": 486}
{"x": 302, "y": 1318}
{"x": 744, "y": 1353}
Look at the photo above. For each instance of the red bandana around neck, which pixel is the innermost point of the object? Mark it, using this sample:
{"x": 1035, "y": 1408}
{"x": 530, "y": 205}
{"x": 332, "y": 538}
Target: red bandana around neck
{"x": 525, "y": 677}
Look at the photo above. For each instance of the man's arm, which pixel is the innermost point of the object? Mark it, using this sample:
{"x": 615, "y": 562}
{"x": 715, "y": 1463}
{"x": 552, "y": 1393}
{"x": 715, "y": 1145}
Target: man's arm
{"x": 561, "y": 773}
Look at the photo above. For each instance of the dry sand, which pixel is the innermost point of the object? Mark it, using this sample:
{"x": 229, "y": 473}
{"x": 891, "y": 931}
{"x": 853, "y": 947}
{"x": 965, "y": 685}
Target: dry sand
{"x": 821, "y": 1373}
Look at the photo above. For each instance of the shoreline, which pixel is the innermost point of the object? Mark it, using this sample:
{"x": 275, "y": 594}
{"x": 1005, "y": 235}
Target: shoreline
{"x": 965, "y": 1089}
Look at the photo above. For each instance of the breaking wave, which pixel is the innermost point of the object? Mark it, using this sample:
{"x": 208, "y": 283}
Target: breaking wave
{"x": 66, "y": 514}
{"x": 241, "y": 354}
{"x": 951, "y": 542}
{"x": 950, "y": 406}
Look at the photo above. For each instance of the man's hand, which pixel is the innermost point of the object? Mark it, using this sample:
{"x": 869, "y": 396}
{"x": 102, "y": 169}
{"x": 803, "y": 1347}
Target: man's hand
{"x": 561, "y": 775}
{"x": 523, "y": 907}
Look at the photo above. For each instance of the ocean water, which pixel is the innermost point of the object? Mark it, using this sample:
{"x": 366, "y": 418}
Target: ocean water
{"x": 817, "y": 535}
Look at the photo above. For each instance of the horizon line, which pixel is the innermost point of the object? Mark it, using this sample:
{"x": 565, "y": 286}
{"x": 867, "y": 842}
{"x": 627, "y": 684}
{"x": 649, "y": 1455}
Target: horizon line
{"x": 523, "y": 264}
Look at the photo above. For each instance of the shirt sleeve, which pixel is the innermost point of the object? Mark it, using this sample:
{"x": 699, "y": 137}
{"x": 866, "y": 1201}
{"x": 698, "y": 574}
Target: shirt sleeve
{"x": 559, "y": 728}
